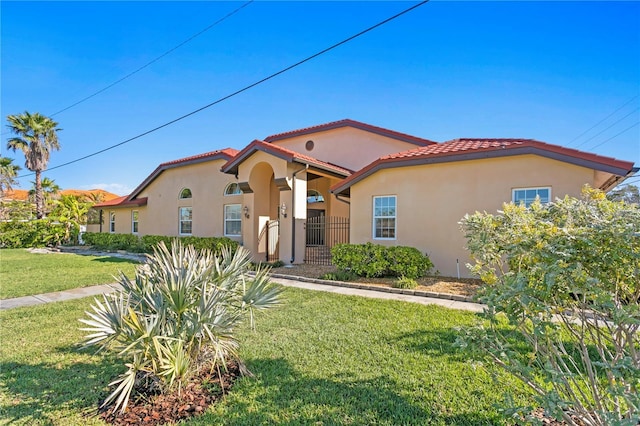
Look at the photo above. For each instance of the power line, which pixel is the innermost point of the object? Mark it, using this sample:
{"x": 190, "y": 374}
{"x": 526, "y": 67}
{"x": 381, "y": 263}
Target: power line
{"x": 604, "y": 119}
{"x": 237, "y": 92}
{"x": 228, "y": 15}
{"x": 616, "y": 135}
{"x": 199, "y": 33}
{"x": 607, "y": 128}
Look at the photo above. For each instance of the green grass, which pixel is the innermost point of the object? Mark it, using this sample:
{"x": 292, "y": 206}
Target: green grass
{"x": 320, "y": 359}
{"x": 23, "y": 273}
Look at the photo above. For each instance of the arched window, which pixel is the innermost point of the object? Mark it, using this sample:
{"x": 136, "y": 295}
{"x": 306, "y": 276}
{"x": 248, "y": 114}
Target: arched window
{"x": 314, "y": 196}
{"x": 185, "y": 193}
{"x": 232, "y": 189}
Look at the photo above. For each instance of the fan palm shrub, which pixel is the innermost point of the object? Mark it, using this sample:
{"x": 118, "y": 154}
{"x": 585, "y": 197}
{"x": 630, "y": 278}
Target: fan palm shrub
{"x": 178, "y": 316}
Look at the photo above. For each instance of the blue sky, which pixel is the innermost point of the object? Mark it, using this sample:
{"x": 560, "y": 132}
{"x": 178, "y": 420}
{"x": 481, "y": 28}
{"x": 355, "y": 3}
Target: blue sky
{"x": 543, "y": 70}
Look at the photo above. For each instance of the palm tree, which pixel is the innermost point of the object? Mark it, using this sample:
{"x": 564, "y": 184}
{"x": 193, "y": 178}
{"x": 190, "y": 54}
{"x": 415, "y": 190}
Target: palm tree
{"x": 50, "y": 190}
{"x": 8, "y": 174}
{"x": 36, "y": 136}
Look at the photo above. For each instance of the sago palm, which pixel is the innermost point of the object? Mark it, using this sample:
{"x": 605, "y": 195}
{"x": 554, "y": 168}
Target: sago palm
{"x": 179, "y": 315}
{"x": 36, "y": 136}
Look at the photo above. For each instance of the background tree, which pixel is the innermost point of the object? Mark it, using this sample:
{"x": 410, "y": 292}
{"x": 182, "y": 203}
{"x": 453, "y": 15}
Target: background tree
{"x": 627, "y": 193}
{"x": 71, "y": 211}
{"x": 8, "y": 174}
{"x": 36, "y": 136}
{"x": 562, "y": 296}
{"x": 50, "y": 190}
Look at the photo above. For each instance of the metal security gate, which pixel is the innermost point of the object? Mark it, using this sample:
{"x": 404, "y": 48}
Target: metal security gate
{"x": 273, "y": 239}
{"x": 324, "y": 232}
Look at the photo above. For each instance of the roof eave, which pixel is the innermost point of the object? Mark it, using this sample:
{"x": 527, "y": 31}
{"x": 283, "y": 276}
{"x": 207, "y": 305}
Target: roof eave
{"x": 384, "y": 163}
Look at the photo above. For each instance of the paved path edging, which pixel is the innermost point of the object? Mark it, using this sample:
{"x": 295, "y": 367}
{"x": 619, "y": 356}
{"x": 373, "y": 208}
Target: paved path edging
{"x": 338, "y": 287}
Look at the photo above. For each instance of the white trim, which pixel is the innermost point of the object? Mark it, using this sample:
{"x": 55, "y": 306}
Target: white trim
{"x": 234, "y": 193}
{"x": 112, "y": 222}
{"x": 536, "y": 188}
{"x": 239, "y": 219}
{"x": 180, "y": 220}
{"x": 136, "y": 222}
{"x": 394, "y": 217}
{"x": 180, "y": 197}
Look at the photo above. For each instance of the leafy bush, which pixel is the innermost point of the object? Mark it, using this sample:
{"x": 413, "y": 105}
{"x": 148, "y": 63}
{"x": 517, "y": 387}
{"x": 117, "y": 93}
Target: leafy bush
{"x": 566, "y": 277}
{"x": 108, "y": 241}
{"x": 146, "y": 243}
{"x": 406, "y": 283}
{"x": 373, "y": 260}
{"x": 34, "y": 233}
{"x": 407, "y": 262}
{"x": 179, "y": 315}
{"x": 339, "y": 276}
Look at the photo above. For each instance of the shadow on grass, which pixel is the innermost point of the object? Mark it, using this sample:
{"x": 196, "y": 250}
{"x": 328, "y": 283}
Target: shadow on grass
{"x": 109, "y": 259}
{"x": 280, "y": 395}
{"x": 41, "y": 393}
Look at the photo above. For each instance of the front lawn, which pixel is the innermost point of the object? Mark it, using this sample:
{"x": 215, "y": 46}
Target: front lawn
{"x": 23, "y": 273}
{"x": 319, "y": 359}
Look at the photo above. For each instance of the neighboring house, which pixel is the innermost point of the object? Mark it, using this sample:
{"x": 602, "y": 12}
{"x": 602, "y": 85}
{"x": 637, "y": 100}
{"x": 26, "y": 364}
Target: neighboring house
{"x": 23, "y": 194}
{"x": 280, "y": 196}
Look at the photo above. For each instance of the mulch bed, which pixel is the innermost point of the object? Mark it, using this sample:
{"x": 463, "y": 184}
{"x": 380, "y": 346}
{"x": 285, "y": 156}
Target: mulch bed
{"x": 448, "y": 285}
{"x": 149, "y": 408}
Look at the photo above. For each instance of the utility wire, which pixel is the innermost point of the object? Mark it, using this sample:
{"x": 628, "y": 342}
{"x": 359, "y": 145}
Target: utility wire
{"x": 616, "y": 135}
{"x": 199, "y": 33}
{"x": 601, "y": 121}
{"x": 244, "y": 89}
{"x": 607, "y": 128}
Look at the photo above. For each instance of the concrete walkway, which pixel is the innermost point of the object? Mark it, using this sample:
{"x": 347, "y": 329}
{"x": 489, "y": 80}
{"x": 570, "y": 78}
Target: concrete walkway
{"x": 317, "y": 285}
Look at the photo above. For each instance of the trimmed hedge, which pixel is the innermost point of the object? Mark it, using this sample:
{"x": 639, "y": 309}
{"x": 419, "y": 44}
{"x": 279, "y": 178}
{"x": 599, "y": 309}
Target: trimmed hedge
{"x": 34, "y": 233}
{"x": 145, "y": 244}
{"x": 374, "y": 260}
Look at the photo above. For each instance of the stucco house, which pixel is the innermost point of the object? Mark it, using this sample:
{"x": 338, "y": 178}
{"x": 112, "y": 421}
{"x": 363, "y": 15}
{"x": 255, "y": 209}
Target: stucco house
{"x": 293, "y": 195}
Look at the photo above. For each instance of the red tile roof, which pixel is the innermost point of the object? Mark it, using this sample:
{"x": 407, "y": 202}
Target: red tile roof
{"x": 475, "y": 148}
{"x": 350, "y": 123}
{"x": 286, "y": 154}
{"x": 122, "y": 202}
{"x": 228, "y": 152}
{"x": 23, "y": 194}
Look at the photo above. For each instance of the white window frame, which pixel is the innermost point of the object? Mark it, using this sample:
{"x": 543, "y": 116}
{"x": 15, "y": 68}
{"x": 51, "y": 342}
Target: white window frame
{"x": 180, "y": 221}
{"x": 112, "y": 222}
{"x": 376, "y": 217}
{"x": 534, "y": 188}
{"x": 185, "y": 197}
{"x": 227, "y": 219}
{"x": 135, "y": 221}
{"x": 227, "y": 192}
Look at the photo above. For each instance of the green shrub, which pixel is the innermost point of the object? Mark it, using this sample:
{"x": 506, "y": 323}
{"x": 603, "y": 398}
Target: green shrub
{"x": 108, "y": 241}
{"x": 406, "y": 283}
{"x": 365, "y": 260}
{"x": 146, "y": 243}
{"x": 407, "y": 262}
{"x": 570, "y": 297}
{"x": 339, "y": 276}
{"x": 34, "y": 233}
{"x": 374, "y": 260}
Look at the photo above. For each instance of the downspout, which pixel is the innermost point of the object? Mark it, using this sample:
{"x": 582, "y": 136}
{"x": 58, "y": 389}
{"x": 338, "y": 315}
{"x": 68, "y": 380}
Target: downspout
{"x": 100, "y": 219}
{"x": 293, "y": 213}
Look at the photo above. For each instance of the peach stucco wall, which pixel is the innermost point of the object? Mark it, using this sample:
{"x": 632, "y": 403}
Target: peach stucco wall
{"x": 432, "y": 199}
{"x": 160, "y": 215}
{"x": 346, "y": 146}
